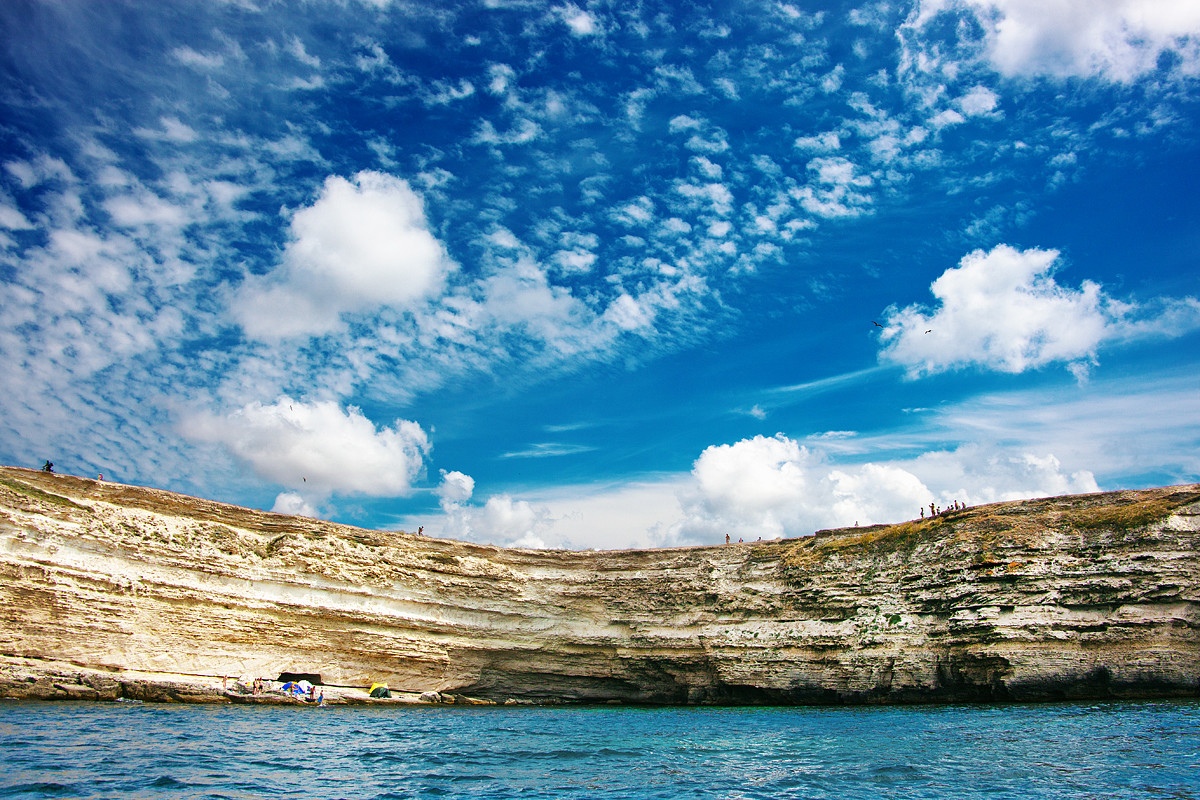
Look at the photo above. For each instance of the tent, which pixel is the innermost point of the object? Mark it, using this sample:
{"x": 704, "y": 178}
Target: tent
{"x": 380, "y": 690}
{"x": 297, "y": 688}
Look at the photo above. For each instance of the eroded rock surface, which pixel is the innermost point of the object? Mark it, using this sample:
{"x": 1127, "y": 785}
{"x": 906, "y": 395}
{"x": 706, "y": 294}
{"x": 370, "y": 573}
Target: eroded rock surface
{"x": 1074, "y": 597}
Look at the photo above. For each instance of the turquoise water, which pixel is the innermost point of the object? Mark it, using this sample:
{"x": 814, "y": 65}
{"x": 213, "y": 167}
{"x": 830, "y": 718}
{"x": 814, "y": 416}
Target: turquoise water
{"x": 117, "y": 750}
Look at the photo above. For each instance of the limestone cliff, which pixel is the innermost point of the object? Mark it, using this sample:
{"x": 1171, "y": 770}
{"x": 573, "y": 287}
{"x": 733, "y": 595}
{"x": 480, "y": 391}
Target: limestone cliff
{"x": 1086, "y": 596}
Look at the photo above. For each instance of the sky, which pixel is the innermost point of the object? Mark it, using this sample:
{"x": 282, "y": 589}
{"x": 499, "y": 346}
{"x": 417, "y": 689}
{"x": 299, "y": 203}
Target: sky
{"x": 605, "y": 274}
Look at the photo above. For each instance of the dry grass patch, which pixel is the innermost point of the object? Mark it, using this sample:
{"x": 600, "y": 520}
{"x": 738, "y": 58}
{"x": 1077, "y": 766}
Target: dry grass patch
{"x": 995, "y": 527}
{"x": 34, "y": 493}
{"x": 1138, "y": 513}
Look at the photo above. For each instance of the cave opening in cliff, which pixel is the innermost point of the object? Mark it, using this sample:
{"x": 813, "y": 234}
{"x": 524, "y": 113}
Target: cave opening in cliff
{"x": 312, "y": 677}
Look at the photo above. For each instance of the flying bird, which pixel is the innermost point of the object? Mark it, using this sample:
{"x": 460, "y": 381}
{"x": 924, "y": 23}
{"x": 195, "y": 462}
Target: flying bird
{"x": 929, "y": 331}
{"x": 876, "y": 324}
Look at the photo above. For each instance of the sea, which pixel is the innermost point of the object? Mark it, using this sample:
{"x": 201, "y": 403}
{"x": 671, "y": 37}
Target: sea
{"x": 1107, "y": 751}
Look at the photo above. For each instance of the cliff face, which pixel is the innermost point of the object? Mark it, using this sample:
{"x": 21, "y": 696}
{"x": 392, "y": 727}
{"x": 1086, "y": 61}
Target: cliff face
{"x": 1088, "y": 596}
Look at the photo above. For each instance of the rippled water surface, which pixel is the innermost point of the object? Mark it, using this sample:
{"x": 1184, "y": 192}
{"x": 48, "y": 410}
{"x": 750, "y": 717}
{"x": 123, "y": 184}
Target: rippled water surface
{"x": 1143, "y": 750}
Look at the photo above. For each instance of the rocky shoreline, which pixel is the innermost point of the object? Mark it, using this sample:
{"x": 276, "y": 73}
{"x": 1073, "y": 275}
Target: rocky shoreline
{"x": 110, "y": 591}
{"x": 35, "y": 679}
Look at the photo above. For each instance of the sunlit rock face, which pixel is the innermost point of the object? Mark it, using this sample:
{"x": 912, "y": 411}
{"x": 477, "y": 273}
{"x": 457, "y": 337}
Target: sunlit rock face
{"x": 1077, "y": 597}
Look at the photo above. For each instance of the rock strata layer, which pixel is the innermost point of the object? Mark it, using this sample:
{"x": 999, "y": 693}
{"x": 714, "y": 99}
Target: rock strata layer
{"x": 1091, "y": 596}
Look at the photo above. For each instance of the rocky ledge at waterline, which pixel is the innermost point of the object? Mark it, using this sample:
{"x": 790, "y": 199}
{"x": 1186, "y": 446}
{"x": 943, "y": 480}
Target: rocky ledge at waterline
{"x": 1090, "y": 596}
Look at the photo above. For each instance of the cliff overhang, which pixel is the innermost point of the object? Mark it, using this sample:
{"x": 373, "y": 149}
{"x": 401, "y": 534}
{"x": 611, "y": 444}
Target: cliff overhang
{"x": 1089, "y": 596}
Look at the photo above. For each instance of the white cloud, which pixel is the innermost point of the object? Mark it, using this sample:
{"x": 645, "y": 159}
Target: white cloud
{"x": 318, "y": 448}
{"x": 636, "y": 514}
{"x": 752, "y": 486}
{"x": 637, "y": 212}
{"x": 442, "y": 93}
{"x": 516, "y": 522}
{"x": 707, "y": 168}
{"x": 715, "y": 144}
{"x": 173, "y": 130}
{"x": 522, "y": 296}
{"x": 578, "y": 20}
{"x": 456, "y": 487}
{"x": 837, "y": 191}
{"x": 715, "y": 194}
{"x": 767, "y": 487}
{"x": 1119, "y": 40}
{"x": 501, "y": 77}
{"x": 523, "y": 131}
{"x": 194, "y": 58}
{"x": 771, "y": 487}
{"x": 976, "y": 475}
{"x": 295, "y": 504}
{"x": 301, "y": 54}
{"x": 363, "y": 244}
{"x": 978, "y": 102}
{"x": 502, "y": 520}
{"x": 40, "y": 170}
{"x": 1003, "y": 310}
{"x": 12, "y": 219}
{"x": 826, "y": 142}
{"x": 144, "y": 208}
{"x": 683, "y": 122}
{"x": 1103, "y": 425}
{"x": 945, "y": 119}
{"x": 629, "y": 314}
{"x": 375, "y": 60}
{"x": 575, "y": 261}
{"x": 832, "y": 81}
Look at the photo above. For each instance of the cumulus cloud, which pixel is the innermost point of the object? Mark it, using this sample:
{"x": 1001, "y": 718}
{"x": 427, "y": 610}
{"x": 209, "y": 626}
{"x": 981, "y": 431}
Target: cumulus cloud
{"x": 1002, "y": 310}
{"x": 502, "y": 520}
{"x": 641, "y": 514}
{"x": 456, "y": 487}
{"x": 364, "y": 243}
{"x": 318, "y": 448}
{"x": 769, "y": 487}
{"x": 752, "y": 485}
{"x": 775, "y": 486}
{"x": 975, "y": 475}
{"x": 295, "y": 504}
{"x": 1118, "y": 40}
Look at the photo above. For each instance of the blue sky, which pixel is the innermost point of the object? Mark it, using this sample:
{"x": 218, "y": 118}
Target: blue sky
{"x": 602, "y": 274}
